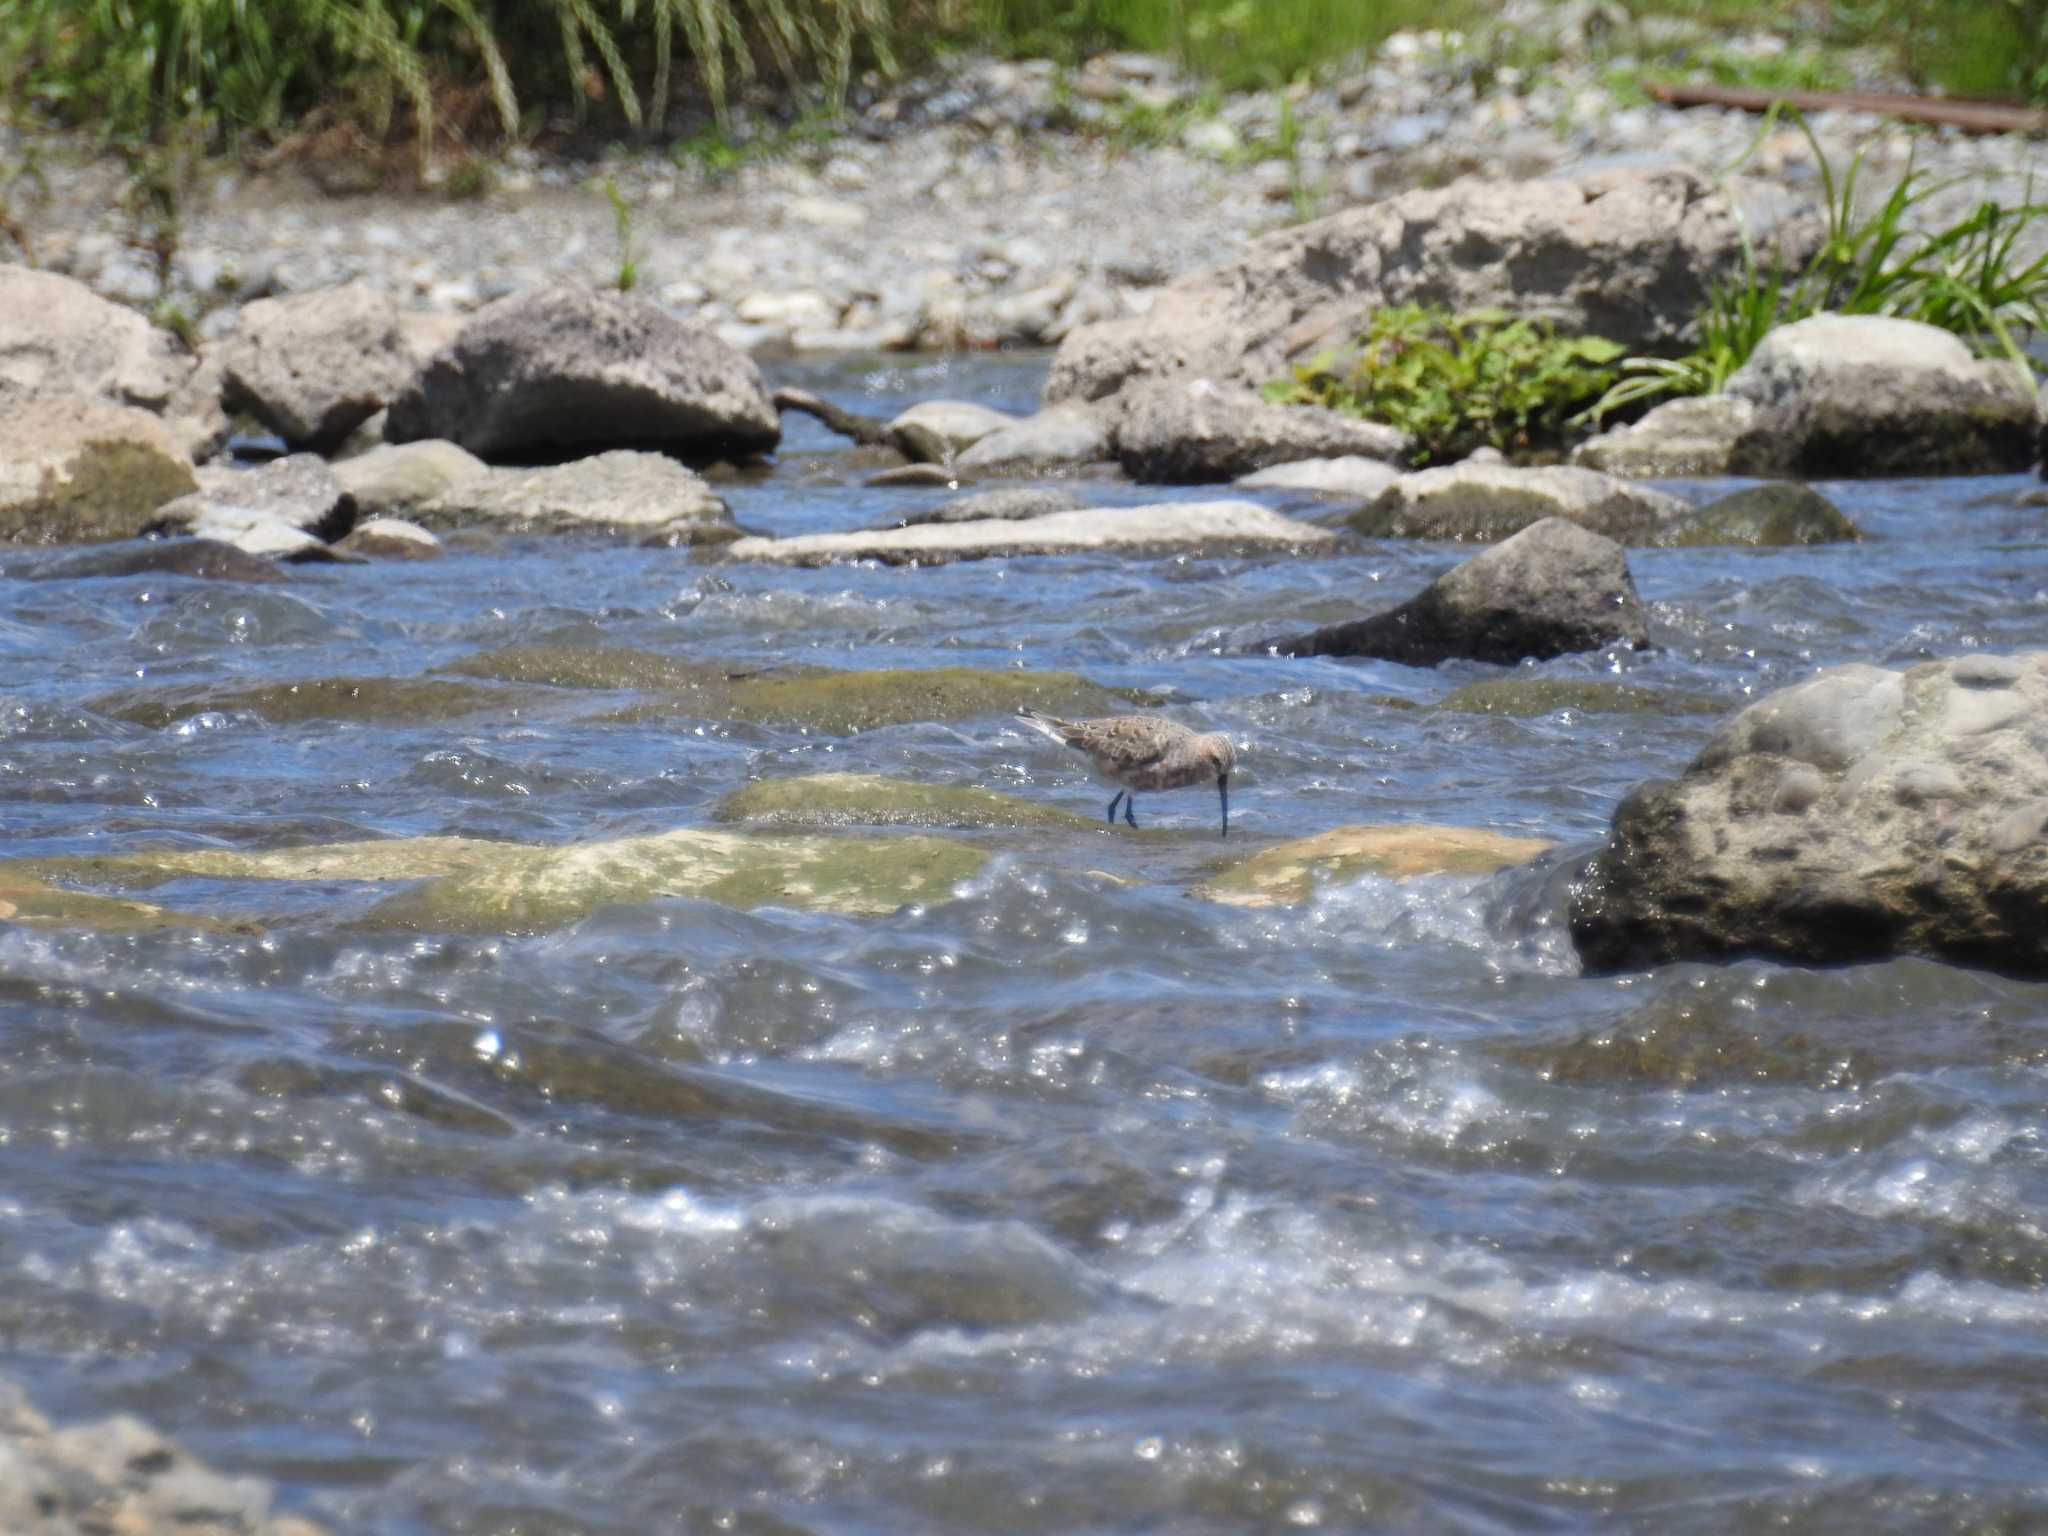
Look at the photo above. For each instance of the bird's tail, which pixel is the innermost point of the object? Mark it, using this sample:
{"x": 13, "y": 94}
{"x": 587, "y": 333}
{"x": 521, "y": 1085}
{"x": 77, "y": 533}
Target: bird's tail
{"x": 1045, "y": 725}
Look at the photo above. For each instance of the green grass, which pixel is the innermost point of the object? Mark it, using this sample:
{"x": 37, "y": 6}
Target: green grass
{"x": 1967, "y": 277}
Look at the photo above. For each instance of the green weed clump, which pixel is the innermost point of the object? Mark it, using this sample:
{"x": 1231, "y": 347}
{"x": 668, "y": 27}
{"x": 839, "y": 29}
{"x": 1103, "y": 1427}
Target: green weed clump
{"x": 1459, "y": 382}
{"x": 1968, "y": 277}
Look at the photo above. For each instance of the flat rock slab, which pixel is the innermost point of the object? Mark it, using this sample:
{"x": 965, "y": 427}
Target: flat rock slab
{"x": 1206, "y": 527}
{"x": 1011, "y": 505}
{"x": 821, "y": 801}
{"x": 1862, "y": 814}
{"x": 1288, "y": 872}
{"x": 472, "y": 885}
{"x": 1059, "y": 438}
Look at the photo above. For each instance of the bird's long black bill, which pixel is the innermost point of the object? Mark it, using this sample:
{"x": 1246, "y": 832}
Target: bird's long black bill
{"x": 1223, "y": 794}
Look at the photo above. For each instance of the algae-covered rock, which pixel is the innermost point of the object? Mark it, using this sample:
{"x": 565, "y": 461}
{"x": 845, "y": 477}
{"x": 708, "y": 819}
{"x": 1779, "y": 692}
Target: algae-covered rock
{"x": 1287, "y": 872}
{"x": 869, "y": 799}
{"x": 1772, "y": 516}
{"x": 471, "y": 885}
{"x": 319, "y": 698}
{"x": 1528, "y": 696}
{"x": 840, "y": 703}
{"x": 26, "y": 899}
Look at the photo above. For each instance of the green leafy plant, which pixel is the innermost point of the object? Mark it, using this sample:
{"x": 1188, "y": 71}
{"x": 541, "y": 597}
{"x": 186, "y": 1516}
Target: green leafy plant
{"x": 1459, "y": 382}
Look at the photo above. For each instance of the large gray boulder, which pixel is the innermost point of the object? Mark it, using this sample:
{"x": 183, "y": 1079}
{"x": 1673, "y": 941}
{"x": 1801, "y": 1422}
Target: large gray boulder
{"x": 562, "y": 369}
{"x": 1841, "y": 396}
{"x": 648, "y": 497}
{"x": 314, "y": 366}
{"x": 1483, "y": 502}
{"x": 1192, "y": 431}
{"x": 1629, "y": 254}
{"x": 1862, "y": 814}
{"x": 78, "y": 469}
{"x": 59, "y": 337}
{"x": 1551, "y": 589}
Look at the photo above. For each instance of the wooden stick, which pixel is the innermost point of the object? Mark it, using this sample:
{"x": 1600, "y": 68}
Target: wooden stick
{"x": 1970, "y": 116}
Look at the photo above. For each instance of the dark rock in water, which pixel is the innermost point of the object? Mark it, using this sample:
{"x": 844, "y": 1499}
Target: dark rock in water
{"x": 1014, "y": 504}
{"x": 562, "y": 370}
{"x": 1552, "y": 588}
{"x": 206, "y": 559}
{"x": 315, "y": 366}
{"x": 1856, "y": 816}
{"x": 1194, "y": 432}
{"x": 1764, "y": 516}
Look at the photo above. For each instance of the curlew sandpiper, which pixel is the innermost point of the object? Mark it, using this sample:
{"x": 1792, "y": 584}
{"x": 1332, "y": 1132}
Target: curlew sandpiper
{"x": 1136, "y": 752}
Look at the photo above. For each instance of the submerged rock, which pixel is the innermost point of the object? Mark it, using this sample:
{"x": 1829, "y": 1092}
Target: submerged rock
{"x": 321, "y": 698}
{"x": 815, "y": 698}
{"x": 471, "y": 885}
{"x": 1198, "y": 527}
{"x": 204, "y": 559}
{"x": 1525, "y": 697}
{"x": 77, "y": 470}
{"x": 1552, "y": 588}
{"x": 1193, "y": 431}
{"x": 1483, "y": 502}
{"x": 644, "y": 496}
{"x": 825, "y": 800}
{"x": 1629, "y": 254}
{"x": 25, "y": 898}
{"x": 313, "y": 367}
{"x": 564, "y": 369}
{"x": 1288, "y": 872}
{"x": 1775, "y": 516}
{"x": 1862, "y": 814}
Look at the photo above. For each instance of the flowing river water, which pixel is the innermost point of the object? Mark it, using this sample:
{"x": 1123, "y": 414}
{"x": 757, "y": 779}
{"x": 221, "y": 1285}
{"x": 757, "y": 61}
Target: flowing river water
{"x": 1065, "y": 1200}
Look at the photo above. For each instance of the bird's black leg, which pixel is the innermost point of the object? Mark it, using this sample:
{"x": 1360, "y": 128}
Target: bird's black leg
{"x": 1129, "y": 803}
{"x": 1113, "y": 799}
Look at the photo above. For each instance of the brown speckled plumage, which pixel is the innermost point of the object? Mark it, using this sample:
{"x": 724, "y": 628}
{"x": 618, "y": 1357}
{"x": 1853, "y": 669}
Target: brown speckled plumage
{"x": 1135, "y": 752}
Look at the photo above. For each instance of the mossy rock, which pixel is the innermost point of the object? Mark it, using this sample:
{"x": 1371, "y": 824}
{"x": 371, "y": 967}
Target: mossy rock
{"x": 838, "y": 703}
{"x": 1287, "y": 872}
{"x": 823, "y": 800}
{"x": 1693, "y": 1045}
{"x": 1775, "y": 516}
{"x": 25, "y": 899}
{"x": 320, "y": 698}
{"x": 1523, "y": 697}
{"x": 472, "y": 885}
